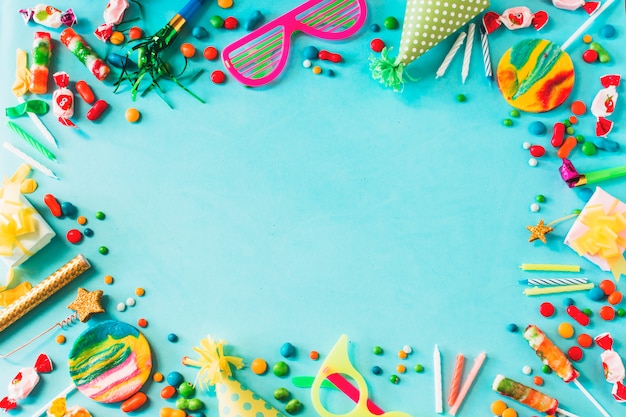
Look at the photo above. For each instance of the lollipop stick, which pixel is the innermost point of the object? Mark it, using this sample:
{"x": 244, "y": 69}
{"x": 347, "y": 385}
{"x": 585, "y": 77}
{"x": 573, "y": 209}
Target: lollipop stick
{"x": 590, "y": 398}
{"x": 586, "y": 24}
{"x": 67, "y": 391}
{"x": 565, "y": 413}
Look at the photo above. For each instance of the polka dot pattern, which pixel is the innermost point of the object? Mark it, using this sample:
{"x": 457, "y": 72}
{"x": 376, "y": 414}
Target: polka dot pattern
{"x": 428, "y": 22}
{"x": 237, "y": 400}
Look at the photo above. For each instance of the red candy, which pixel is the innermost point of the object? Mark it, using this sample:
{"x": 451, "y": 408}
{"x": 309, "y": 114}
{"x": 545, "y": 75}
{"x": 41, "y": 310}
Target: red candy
{"x": 537, "y": 151}
{"x": 134, "y": 402}
{"x": 84, "y": 91}
{"x": 558, "y": 134}
{"x": 74, "y": 236}
{"x": 575, "y": 353}
{"x": 168, "y": 392}
{"x": 53, "y": 205}
{"x": 607, "y": 313}
{"x": 218, "y": 77}
{"x": 546, "y": 309}
{"x": 578, "y": 315}
{"x": 135, "y": 33}
{"x": 210, "y": 53}
{"x": 377, "y": 45}
{"x": 590, "y": 56}
{"x": 231, "y": 23}
{"x": 329, "y": 56}
{"x": 97, "y": 109}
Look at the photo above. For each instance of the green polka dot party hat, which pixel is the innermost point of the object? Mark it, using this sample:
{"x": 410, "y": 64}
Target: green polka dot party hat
{"x": 234, "y": 398}
{"x": 426, "y": 23}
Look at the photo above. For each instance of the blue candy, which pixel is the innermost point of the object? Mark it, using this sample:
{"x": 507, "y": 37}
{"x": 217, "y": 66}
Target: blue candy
{"x": 583, "y": 193}
{"x": 118, "y": 61}
{"x": 537, "y": 128}
{"x": 287, "y": 350}
{"x": 605, "y": 144}
{"x": 88, "y": 232}
{"x": 607, "y": 31}
{"x": 311, "y": 52}
{"x": 376, "y": 370}
{"x": 375, "y": 28}
{"x": 175, "y": 379}
{"x": 199, "y": 32}
{"x": 568, "y": 302}
{"x": 512, "y": 327}
{"x": 596, "y": 294}
{"x": 255, "y": 20}
{"x": 68, "y": 209}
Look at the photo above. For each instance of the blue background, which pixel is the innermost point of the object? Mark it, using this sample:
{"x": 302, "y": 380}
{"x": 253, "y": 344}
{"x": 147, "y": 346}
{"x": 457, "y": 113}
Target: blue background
{"x": 314, "y": 207}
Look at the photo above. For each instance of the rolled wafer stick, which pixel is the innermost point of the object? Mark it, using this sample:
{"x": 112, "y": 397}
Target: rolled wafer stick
{"x": 40, "y": 292}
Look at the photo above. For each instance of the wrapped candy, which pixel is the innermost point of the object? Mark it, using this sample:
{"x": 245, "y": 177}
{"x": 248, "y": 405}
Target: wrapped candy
{"x": 48, "y": 16}
{"x": 41, "y": 54}
{"x": 613, "y": 366}
{"x": 550, "y": 354}
{"x": 25, "y": 381}
{"x": 599, "y": 232}
{"x": 588, "y": 6}
{"x": 525, "y": 395}
{"x": 81, "y": 50}
{"x": 416, "y": 41}
{"x": 515, "y": 18}
{"x": 63, "y": 99}
{"x": 113, "y": 15}
{"x": 603, "y": 104}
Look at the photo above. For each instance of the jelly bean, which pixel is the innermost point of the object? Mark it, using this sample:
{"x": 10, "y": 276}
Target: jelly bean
{"x": 186, "y": 389}
{"x": 621, "y": 312}
{"x": 68, "y": 209}
{"x": 575, "y": 353}
{"x": 532, "y": 162}
{"x": 96, "y": 110}
{"x": 329, "y": 56}
{"x": 589, "y": 149}
{"x": 537, "y": 151}
{"x": 157, "y": 377}
{"x": 536, "y": 128}
{"x": 607, "y": 31}
{"x": 546, "y": 369}
{"x": 307, "y": 63}
{"x": 60, "y": 339}
{"x": 603, "y": 55}
{"x": 401, "y": 369}
{"x": 140, "y": 292}
{"x": 512, "y": 327}
{"x": 258, "y": 366}
{"x": 330, "y": 73}
{"x": 566, "y": 330}
{"x": 135, "y": 33}
{"x": 216, "y": 21}
{"x": 195, "y": 404}
{"x": 84, "y": 91}
{"x": 558, "y": 134}
{"x": 534, "y": 207}
{"x": 210, "y": 53}
{"x": 590, "y": 56}
{"x": 120, "y": 61}
{"x": 461, "y": 98}
{"x": 568, "y": 301}
{"x": 377, "y": 44}
{"x": 587, "y": 311}
{"x": 605, "y": 144}
{"x": 117, "y": 38}
{"x": 255, "y": 20}
{"x": 538, "y": 380}
{"x": 188, "y": 50}
{"x": 314, "y": 355}
{"x": 293, "y": 406}
{"x": 567, "y": 147}
{"x": 498, "y": 407}
{"x": 53, "y": 205}
{"x": 615, "y": 298}
{"x": 607, "y": 286}
{"x": 134, "y": 402}
{"x": 218, "y": 77}
{"x": 82, "y": 220}
{"x": 507, "y": 122}
{"x": 280, "y": 369}
{"x": 394, "y": 379}
{"x": 527, "y": 370}
{"x": 281, "y": 394}
{"x": 607, "y": 313}
{"x": 168, "y": 392}
{"x": 402, "y": 354}
{"x": 175, "y": 378}
{"x": 311, "y": 52}
{"x": 130, "y": 302}
{"x": 578, "y": 315}
{"x": 585, "y": 340}
{"x": 182, "y": 403}
{"x": 199, "y": 32}
{"x": 391, "y": 23}
{"x": 231, "y": 23}
{"x": 74, "y": 236}
{"x": 540, "y": 198}
{"x": 546, "y": 309}
{"x": 573, "y": 120}
{"x": 120, "y": 307}
{"x": 407, "y": 349}
{"x": 514, "y": 113}
{"x": 287, "y": 350}
{"x": 132, "y": 115}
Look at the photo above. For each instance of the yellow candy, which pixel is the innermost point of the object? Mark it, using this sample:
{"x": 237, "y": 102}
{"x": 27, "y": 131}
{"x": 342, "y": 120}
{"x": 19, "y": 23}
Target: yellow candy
{"x": 566, "y": 330}
{"x": 117, "y": 38}
{"x": 28, "y": 186}
{"x": 587, "y": 39}
{"x": 225, "y": 4}
{"x": 498, "y": 407}
{"x": 58, "y": 407}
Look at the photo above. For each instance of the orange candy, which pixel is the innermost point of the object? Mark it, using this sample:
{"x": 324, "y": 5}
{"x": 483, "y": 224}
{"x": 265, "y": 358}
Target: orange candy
{"x": 210, "y": 53}
{"x": 615, "y": 298}
{"x": 498, "y": 407}
{"x": 188, "y": 50}
{"x": 314, "y": 355}
{"x": 258, "y": 366}
{"x": 135, "y": 32}
{"x": 401, "y": 369}
{"x": 607, "y": 313}
{"x": 573, "y": 120}
{"x": 578, "y": 108}
{"x": 584, "y": 340}
{"x": 509, "y": 412}
{"x": 537, "y": 380}
{"x": 402, "y": 354}
{"x": 607, "y": 286}
{"x": 157, "y": 377}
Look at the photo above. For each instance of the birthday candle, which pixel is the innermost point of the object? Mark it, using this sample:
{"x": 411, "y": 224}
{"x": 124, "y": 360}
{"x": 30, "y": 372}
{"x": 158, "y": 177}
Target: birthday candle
{"x": 30, "y": 161}
{"x": 456, "y": 379}
{"x": 468, "y": 52}
{"x": 446, "y": 61}
{"x": 557, "y": 289}
{"x": 437, "y": 375}
{"x": 486, "y": 54}
{"x": 553, "y": 281}
{"x": 550, "y": 267}
{"x": 31, "y": 141}
{"x": 478, "y": 363}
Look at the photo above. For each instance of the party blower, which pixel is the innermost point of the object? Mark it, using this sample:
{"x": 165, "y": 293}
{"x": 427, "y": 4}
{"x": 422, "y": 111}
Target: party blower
{"x": 259, "y": 57}
{"x": 573, "y": 178}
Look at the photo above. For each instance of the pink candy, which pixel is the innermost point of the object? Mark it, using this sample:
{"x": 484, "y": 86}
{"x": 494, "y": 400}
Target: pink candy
{"x": 113, "y": 15}
{"x": 515, "y": 18}
{"x": 63, "y": 99}
{"x": 25, "y": 381}
{"x": 588, "y": 6}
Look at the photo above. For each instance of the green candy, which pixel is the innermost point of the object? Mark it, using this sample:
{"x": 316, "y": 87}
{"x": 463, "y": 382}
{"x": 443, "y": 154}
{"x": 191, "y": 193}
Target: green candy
{"x": 186, "y": 390}
{"x": 419, "y": 368}
{"x": 280, "y": 368}
{"x": 377, "y": 350}
{"x": 603, "y": 55}
{"x": 293, "y": 406}
{"x": 281, "y": 394}
{"x": 589, "y": 149}
{"x": 182, "y": 403}
{"x": 391, "y": 23}
{"x": 216, "y": 21}
{"x": 195, "y": 404}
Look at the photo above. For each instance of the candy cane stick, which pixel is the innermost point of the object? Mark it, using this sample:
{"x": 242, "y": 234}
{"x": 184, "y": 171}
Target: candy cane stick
{"x": 67, "y": 391}
{"x": 586, "y": 24}
{"x": 446, "y": 61}
{"x": 478, "y": 363}
{"x": 590, "y": 398}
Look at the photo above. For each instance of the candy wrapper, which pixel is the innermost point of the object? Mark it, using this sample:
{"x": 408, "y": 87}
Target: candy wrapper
{"x": 588, "y": 6}
{"x": 63, "y": 99}
{"x": 421, "y": 31}
{"x": 59, "y": 408}
{"x": 81, "y": 50}
{"x": 603, "y": 104}
{"x": 599, "y": 232}
{"x": 41, "y": 54}
{"x": 613, "y": 366}
{"x": 25, "y": 381}
{"x": 113, "y": 15}
{"x": 48, "y": 16}
{"x": 515, "y": 18}
{"x": 215, "y": 370}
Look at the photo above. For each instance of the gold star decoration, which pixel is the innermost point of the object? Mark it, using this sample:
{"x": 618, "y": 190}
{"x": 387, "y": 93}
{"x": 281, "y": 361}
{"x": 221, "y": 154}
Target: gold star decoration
{"x": 539, "y": 232}
{"x": 87, "y": 303}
